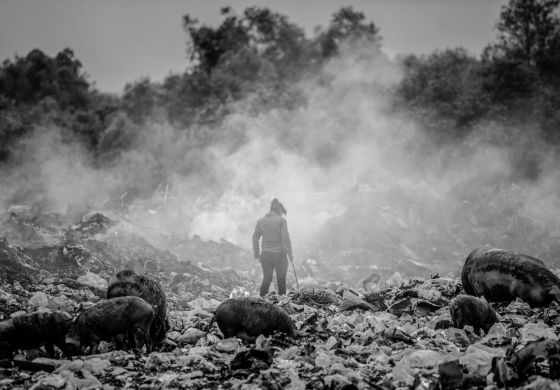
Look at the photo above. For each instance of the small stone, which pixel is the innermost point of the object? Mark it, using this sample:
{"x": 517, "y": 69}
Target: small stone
{"x": 54, "y": 381}
{"x": 39, "y": 299}
{"x": 190, "y": 336}
{"x": 230, "y": 345}
{"x": 331, "y": 343}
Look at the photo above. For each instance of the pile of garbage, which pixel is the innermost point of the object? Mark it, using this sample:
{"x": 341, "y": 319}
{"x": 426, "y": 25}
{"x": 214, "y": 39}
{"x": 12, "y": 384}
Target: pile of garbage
{"x": 356, "y": 327}
{"x": 64, "y": 249}
{"x": 414, "y": 230}
{"x": 400, "y": 337}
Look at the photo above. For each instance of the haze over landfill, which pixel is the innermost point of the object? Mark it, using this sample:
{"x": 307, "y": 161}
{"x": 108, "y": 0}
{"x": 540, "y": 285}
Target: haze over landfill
{"x": 365, "y": 153}
{"x": 408, "y": 140}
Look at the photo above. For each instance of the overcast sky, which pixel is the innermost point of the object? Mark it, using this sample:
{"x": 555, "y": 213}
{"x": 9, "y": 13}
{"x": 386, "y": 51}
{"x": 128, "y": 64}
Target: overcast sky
{"x": 119, "y": 41}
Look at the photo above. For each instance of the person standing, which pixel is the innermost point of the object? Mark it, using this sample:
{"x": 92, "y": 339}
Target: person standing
{"x": 276, "y": 247}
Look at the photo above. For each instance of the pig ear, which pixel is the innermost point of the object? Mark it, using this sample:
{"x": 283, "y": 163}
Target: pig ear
{"x": 483, "y": 298}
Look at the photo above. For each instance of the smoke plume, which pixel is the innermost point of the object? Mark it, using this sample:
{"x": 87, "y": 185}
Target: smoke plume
{"x": 352, "y": 172}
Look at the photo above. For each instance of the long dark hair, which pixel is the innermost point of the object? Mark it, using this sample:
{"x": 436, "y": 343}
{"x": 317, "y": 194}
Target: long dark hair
{"x": 278, "y": 207}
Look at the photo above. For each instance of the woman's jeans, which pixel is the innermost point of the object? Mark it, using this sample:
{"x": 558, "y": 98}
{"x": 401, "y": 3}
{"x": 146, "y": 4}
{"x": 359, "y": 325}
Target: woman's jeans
{"x": 271, "y": 261}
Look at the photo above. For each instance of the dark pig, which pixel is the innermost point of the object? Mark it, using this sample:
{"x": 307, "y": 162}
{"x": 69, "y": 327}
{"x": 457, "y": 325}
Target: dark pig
{"x": 502, "y": 276}
{"x": 468, "y": 265}
{"x": 33, "y": 330}
{"x": 469, "y": 310}
{"x": 127, "y": 282}
{"x": 123, "y": 315}
{"x": 248, "y": 317}
{"x": 485, "y": 253}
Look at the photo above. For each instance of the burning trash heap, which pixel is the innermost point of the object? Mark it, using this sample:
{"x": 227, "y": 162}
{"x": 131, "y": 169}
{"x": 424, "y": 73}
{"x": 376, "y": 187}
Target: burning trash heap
{"x": 83, "y": 307}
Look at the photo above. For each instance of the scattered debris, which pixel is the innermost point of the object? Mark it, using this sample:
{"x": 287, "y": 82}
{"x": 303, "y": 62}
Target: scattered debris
{"x": 393, "y": 330}
{"x": 516, "y": 368}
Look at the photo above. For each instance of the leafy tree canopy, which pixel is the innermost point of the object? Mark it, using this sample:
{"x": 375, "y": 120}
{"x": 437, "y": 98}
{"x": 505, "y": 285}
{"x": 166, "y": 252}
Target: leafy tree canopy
{"x": 31, "y": 78}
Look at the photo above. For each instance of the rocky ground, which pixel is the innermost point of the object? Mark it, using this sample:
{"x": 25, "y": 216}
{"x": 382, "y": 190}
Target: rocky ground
{"x": 345, "y": 341}
{"x": 395, "y": 335}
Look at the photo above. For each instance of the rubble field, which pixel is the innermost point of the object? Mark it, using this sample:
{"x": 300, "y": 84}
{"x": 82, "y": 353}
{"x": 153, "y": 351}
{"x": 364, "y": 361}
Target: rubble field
{"x": 345, "y": 341}
{"x": 395, "y": 334}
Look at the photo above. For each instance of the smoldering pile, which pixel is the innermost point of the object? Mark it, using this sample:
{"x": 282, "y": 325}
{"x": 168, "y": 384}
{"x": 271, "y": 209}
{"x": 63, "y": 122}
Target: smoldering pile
{"x": 64, "y": 251}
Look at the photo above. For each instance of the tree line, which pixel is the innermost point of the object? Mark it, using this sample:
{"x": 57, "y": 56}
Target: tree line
{"x": 513, "y": 84}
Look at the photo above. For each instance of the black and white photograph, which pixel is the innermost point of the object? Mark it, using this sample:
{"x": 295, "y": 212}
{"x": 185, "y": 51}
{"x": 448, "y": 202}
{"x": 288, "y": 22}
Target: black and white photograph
{"x": 280, "y": 194}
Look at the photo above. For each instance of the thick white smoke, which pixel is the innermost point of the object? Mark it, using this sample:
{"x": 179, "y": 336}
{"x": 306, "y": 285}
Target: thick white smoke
{"x": 345, "y": 138}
